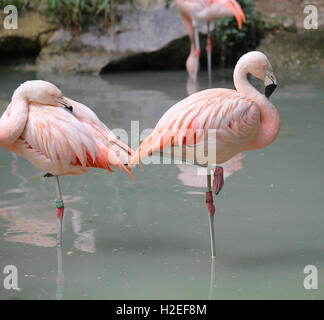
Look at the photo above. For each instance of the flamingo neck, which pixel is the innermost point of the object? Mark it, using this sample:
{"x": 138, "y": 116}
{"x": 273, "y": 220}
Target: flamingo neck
{"x": 13, "y": 121}
{"x": 269, "y": 117}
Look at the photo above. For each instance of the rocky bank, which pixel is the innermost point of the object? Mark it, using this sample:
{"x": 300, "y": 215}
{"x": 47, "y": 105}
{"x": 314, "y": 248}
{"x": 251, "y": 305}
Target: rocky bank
{"x": 153, "y": 37}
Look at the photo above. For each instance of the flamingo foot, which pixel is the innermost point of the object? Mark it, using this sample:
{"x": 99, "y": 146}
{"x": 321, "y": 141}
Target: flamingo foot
{"x": 48, "y": 175}
{"x": 218, "y": 180}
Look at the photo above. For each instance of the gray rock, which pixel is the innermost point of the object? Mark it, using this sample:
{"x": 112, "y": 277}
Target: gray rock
{"x": 139, "y": 31}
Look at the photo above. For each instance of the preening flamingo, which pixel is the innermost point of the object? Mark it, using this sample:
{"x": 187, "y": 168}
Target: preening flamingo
{"x": 59, "y": 136}
{"x": 195, "y": 11}
{"x": 211, "y": 126}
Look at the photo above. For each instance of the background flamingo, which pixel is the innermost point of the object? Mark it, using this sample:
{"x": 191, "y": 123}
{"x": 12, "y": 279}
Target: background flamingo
{"x": 211, "y": 126}
{"x": 58, "y": 136}
{"x": 195, "y": 11}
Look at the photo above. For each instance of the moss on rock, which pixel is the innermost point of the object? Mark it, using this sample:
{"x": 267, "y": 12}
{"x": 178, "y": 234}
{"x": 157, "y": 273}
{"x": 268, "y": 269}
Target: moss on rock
{"x": 295, "y": 53}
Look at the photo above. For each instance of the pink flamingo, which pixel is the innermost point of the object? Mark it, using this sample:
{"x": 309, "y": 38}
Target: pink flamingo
{"x": 195, "y": 11}
{"x": 59, "y": 136}
{"x": 211, "y": 126}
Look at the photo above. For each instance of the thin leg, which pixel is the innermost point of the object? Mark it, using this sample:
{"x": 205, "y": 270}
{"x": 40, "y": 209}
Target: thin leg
{"x": 59, "y": 211}
{"x": 197, "y": 45}
{"x": 60, "y": 275}
{"x": 212, "y": 282}
{"x": 209, "y": 55}
{"x": 211, "y": 212}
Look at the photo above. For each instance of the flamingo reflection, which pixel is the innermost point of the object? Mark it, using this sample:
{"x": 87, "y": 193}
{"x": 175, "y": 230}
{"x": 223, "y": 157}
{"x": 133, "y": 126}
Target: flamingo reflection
{"x": 192, "y": 176}
{"x": 35, "y": 224}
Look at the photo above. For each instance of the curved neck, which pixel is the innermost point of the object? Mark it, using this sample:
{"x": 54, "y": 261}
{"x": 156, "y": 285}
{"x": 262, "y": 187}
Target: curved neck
{"x": 13, "y": 120}
{"x": 242, "y": 84}
{"x": 269, "y": 117}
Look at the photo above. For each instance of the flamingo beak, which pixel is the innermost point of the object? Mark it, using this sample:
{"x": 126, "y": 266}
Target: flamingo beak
{"x": 270, "y": 83}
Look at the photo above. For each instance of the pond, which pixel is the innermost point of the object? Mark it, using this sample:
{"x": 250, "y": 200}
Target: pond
{"x": 150, "y": 240}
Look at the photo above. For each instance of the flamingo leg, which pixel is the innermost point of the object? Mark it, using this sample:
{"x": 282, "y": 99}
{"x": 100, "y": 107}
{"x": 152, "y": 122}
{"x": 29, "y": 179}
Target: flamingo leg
{"x": 217, "y": 187}
{"x": 59, "y": 211}
{"x": 212, "y": 282}
{"x": 209, "y": 54}
{"x": 60, "y": 275}
{"x": 211, "y": 212}
{"x": 197, "y": 49}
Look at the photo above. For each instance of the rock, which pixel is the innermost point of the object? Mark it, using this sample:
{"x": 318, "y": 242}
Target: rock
{"x": 295, "y": 54}
{"x": 293, "y": 51}
{"x": 154, "y": 37}
{"x": 33, "y": 32}
{"x": 289, "y": 25}
{"x": 140, "y": 31}
{"x": 145, "y": 4}
{"x": 289, "y": 10}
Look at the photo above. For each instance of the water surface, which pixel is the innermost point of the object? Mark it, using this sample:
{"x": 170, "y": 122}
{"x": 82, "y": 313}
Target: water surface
{"x": 151, "y": 240}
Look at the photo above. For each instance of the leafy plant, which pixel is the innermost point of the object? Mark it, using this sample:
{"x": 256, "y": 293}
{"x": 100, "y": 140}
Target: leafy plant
{"x": 21, "y": 5}
{"x": 78, "y": 14}
{"x": 234, "y": 42}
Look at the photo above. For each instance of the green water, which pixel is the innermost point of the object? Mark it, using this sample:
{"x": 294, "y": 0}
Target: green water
{"x": 151, "y": 240}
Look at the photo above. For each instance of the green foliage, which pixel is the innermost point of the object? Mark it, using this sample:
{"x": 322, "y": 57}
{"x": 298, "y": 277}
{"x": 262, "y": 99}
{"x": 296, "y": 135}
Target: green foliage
{"x": 234, "y": 42}
{"x": 21, "y": 5}
{"x": 78, "y": 14}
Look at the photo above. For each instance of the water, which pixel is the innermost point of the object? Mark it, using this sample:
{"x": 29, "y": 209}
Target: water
{"x": 150, "y": 240}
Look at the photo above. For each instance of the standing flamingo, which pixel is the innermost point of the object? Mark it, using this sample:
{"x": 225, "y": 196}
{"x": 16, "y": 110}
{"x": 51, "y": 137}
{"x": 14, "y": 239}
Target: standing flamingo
{"x": 195, "y": 11}
{"x": 58, "y": 136}
{"x": 211, "y": 126}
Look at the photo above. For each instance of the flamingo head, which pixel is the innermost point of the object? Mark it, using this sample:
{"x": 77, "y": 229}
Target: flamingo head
{"x": 42, "y": 92}
{"x": 257, "y": 63}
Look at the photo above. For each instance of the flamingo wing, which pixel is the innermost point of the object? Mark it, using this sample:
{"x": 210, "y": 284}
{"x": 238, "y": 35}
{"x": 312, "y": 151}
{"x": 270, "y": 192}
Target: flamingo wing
{"x": 103, "y": 133}
{"x": 238, "y": 13}
{"x": 222, "y": 8}
{"x": 228, "y": 116}
{"x": 76, "y": 138}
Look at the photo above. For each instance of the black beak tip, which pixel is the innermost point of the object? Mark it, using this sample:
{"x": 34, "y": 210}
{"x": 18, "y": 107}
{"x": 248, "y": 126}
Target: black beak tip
{"x": 70, "y": 108}
{"x": 270, "y": 89}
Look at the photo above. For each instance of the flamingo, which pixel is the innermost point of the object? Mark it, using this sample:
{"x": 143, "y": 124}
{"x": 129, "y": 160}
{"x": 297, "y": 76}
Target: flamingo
{"x": 212, "y": 126}
{"x": 195, "y": 11}
{"x": 59, "y": 136}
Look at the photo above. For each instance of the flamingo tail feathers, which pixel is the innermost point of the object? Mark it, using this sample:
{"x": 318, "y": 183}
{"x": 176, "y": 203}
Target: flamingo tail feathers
{"x": 104, "y": 159}
{"x": 238, "y": 13}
